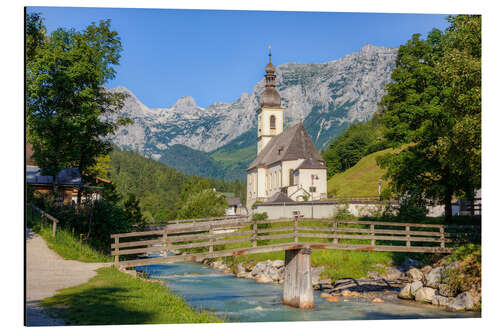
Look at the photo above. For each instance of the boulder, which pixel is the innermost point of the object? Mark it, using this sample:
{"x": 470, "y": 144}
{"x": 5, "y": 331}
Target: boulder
{"x": 272, "y": 272}
{"x": 377, "y": 300}
{"x": 240, "y": 268}
{"x": 405, "y": 292}
{"x": 263, "y": 279}
{"x": 462, "y": 302}
{"x": 415, "y": 286}
{"x": 414, "y": 274}
{"x": 324, "y": 295}
{"x": 348, "y": 293}
{"x": 392, "y": 273}
{"x": 244, "y": 275}
{"x": 259, "y": 268}
{"x": 425, "y": 294}
{"x": 426, "y": 269}
{"x": 453, "y": 265}
{"x": 445, "y": 290}
{"x": 278, "y": 263}
{"x": 374, "y": 275}
{"x": 332, "y": 299}
{"x": 315, "y": 274}
{"x": 441, "y": 300}
{"x": 409, "y": 262}
{"x": 434, "y": 277}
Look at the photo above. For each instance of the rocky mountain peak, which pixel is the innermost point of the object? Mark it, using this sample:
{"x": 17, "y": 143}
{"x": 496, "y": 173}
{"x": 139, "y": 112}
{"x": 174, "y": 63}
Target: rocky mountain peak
{"x": 186, "y": 101}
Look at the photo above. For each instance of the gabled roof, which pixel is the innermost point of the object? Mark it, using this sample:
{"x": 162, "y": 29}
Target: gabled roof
{"x": 233, "y": 201}
{"x": 311, "y": 163}
{"x": 279, "y": 197}
{"x": 292, "y": 144}
{"x": 67, "y": 176}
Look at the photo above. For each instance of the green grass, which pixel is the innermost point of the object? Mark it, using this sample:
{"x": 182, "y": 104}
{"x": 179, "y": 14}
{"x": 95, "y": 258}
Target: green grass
{"x": 66, "y": 244}
{"x": 360, "y": 180}
{"x": 115, "y": 298}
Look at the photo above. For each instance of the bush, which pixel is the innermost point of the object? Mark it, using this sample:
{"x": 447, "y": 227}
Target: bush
{"x": 467, "y": 275}
{"x": 206, "y": 203}
{"x": 343, "y": 213}
{"x": 259, "y": 216}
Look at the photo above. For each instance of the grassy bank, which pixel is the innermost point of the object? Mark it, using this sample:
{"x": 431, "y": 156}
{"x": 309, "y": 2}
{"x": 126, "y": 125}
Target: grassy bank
{"x": 115, "y": 298}
{"x": 65, "y": 244}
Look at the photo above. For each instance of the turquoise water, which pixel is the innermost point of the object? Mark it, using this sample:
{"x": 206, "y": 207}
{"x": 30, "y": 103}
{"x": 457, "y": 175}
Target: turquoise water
{"x": 244, "y": 300}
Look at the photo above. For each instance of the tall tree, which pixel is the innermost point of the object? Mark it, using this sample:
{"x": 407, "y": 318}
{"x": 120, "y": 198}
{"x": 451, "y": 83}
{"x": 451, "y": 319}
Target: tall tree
{"x": 66, "y": 100}
{"x": 432, "y": 110}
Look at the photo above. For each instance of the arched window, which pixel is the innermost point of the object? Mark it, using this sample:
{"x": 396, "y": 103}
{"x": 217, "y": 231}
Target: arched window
{"x": 290, "y": 177}
{"x": 273, "y": 122}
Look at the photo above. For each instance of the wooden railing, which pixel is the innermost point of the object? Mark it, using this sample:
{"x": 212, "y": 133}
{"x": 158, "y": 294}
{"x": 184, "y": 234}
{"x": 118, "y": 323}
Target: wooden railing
{"x": 43, "y": 216}
{"x": 356, "y": 198}
{"x": 201, "y": 240}
{"x": 155, "y": 225}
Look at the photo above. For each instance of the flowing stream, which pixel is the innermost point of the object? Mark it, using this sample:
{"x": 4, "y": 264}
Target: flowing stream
{"x": 244, "y": 300}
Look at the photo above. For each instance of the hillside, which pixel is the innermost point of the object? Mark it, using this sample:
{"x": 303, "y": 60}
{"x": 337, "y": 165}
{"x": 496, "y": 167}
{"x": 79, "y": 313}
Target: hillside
{"x": 361, "y": 179}
{"x": 157, "y": 186}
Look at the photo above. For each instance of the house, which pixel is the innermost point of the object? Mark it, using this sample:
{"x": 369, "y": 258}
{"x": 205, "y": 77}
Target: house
{"x": 234, "y": 205}
{"x": 68, "y": 182}
{"x": 287, "y": 161}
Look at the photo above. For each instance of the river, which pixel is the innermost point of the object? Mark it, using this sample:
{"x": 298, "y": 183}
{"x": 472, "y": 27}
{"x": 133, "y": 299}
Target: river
{"x": 244, "y": 300}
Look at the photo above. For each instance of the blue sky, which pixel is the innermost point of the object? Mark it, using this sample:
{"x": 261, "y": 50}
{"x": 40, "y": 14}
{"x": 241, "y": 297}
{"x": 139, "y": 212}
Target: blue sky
{"x": 216, "y": 55}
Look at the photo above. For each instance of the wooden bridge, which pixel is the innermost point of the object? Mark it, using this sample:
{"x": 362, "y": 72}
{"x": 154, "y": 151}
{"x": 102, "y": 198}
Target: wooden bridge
{"x": 237, "y": 236}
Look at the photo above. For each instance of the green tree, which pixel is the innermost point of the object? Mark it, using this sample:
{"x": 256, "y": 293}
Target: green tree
{"x": 133, "y": 213}
{"x": 431, "y": 110}
{"x": 206, "y": 203}
{"x": 68, "y": 109}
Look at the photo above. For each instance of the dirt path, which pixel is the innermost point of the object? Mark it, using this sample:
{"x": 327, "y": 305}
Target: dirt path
{"x": 47, "y": 272}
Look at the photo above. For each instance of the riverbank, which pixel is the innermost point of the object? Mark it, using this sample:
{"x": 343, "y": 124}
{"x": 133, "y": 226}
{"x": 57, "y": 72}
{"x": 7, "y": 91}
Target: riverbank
{"x": 116, "y": 298}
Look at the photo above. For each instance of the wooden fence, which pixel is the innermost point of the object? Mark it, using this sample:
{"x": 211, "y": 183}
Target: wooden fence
{"x": 43, "y": 216}
{"x": 156, "y": 225}
{"x": 201, "y": 240}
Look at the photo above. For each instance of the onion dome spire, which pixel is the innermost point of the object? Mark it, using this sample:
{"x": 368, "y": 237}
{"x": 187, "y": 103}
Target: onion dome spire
{"x": 270, "y": 97}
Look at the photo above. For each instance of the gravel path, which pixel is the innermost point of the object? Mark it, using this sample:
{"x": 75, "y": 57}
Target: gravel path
{"x": 47, "y": 272}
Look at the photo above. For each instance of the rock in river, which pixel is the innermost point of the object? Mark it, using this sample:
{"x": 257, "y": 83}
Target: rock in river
{"x": 425, "y": 294}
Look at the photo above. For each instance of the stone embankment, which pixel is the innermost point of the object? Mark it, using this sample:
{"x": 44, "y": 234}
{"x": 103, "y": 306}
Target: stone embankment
{"x": 425, "y": 285}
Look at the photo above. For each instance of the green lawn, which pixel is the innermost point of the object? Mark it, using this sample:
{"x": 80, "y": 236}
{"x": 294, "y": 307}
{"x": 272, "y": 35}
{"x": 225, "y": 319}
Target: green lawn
{"x": 360, "y": 180}
{"x": 115, "y": 298}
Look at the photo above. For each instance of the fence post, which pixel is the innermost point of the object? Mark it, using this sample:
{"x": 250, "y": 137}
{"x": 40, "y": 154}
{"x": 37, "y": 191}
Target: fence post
{"x": 54, "y": 227}
{"x": 295, "y": 227}
{"x": 164, "y": 240}
{"x": 372, "y": 233}
{"x": 42, "y": 223}
{"x": 408, "y": 243}
{"x": 335, "y": 239}
{"x": 254, "y": 242}
{"x": 441, "y": 231}
{"x": 117, "y": 257}
{"x": 211, "y": 233}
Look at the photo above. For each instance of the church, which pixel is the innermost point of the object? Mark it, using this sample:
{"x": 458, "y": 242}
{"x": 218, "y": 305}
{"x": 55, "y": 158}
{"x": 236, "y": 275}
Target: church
{"x": 288, "y": 167}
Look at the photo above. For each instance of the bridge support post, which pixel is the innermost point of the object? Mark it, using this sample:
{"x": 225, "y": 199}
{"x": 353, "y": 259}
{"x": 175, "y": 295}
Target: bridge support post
{"x": 297, "y": 283}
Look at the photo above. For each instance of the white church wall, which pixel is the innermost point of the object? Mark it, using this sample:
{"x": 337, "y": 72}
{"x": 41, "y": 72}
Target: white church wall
{"x": 287, "y": 166}
{"x": 307, "y": 181}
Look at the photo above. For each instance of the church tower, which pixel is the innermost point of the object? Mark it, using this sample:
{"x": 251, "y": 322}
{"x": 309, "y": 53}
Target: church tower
{"x": 270, "y": 113}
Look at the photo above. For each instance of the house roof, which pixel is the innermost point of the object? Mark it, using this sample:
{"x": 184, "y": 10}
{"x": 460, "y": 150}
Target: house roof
{"x": 67, "y": 176}
{"x": 233, "y": 201}
{"x": 311, "y": 163}
{"x": 292, "y": 144}
{"x": 279, "y": 197}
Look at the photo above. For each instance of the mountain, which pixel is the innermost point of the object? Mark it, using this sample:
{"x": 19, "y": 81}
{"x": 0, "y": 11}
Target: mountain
{"x": 326, "y": 97}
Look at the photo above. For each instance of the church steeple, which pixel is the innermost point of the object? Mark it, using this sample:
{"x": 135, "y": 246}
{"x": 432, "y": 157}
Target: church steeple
{"x": 270, "y": 97}
{"x": 270, "y": 113}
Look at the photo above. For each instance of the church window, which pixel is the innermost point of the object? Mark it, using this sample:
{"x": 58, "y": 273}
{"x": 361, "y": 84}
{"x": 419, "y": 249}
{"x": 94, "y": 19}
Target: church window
{"x": 279, "y": 177}
{"x": 273, "y": 122}
{"x": 290, "y": 177}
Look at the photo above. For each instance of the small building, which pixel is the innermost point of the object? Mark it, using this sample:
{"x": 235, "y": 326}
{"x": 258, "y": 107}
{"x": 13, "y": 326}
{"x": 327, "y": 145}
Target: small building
{"x": 234, "y": 205}
{"x": 287, "y": 161}
{"x": 68, "y": 181}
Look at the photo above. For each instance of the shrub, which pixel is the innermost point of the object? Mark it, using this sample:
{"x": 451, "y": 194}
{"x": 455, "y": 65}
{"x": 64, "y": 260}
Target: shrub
{"x": 467, "y": 274}
{"x": 259, "y": 216}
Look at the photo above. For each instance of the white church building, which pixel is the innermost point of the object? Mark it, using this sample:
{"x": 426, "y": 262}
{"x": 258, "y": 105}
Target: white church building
{"x": 288, "y": 166}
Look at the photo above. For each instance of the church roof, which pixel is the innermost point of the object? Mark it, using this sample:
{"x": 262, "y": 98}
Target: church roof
{"x": 279, "y": 197}
{"x": 311, "y": 163}
{"x": 292, "y": 144}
